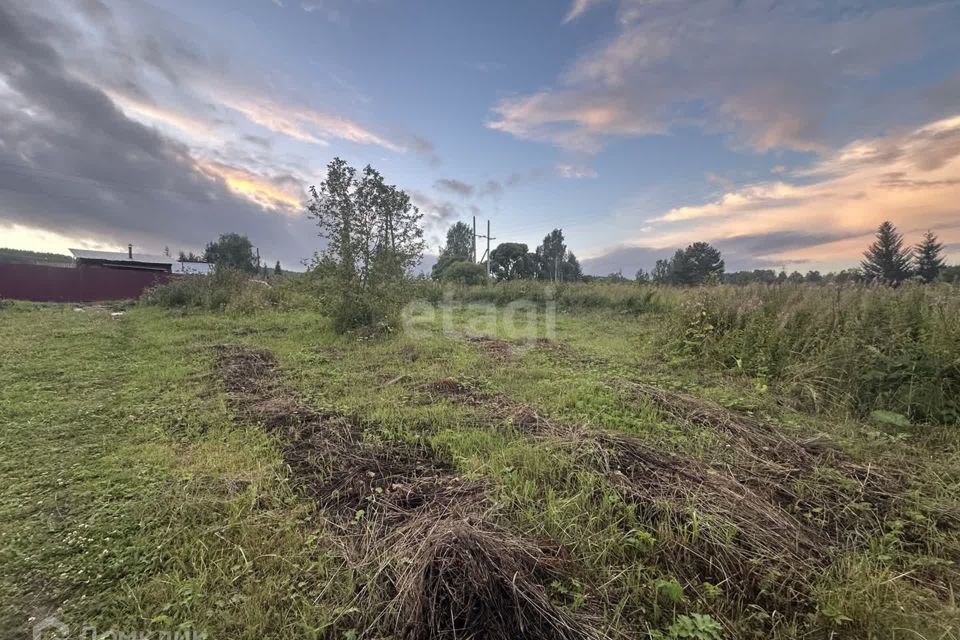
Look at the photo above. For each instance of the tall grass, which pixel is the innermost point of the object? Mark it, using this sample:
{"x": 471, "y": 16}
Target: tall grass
{"x": 858, "y": 348}
{"x": 853, "y": 348}
{"x": 233, "y": 291}
{"x": 624, "y": 297}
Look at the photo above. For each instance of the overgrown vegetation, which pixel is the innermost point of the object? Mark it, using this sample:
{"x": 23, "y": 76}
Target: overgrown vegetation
{"x": 234, "y": 291}
{"x": 711, "y": 462}
{"x": 859, "y": 349}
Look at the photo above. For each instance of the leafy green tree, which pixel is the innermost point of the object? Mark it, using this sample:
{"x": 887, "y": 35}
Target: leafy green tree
{"x": 616, "y": 276}
{"x": 703, "y": 263}
{"x": 373, "y": 237}
{"x": 189, "y": 257}
{"x": 550, "y": 254}
{"x": 570, "y": 269}
{"x": 929, "y": 254}
{"x": 887, "y": 260}
{"x": 460, "y": 241}
{"x": 699, "y": 263}
{"x": 661, "y": 272}
{"x": 641, "y": 277}
{"x": 232, "y": 250}
{"x": 680, "y": 270}
{"x": 512, "y": 261}
{"x": 554, "y": 262}
{"x": 464, "y": 272}
{"x": 459, "y": 248}
{"x": 846, "y": 276}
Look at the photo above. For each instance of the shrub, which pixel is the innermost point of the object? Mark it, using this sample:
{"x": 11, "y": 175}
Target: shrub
{"x": 231, "y": 290}
{"x": 463, "y": 272}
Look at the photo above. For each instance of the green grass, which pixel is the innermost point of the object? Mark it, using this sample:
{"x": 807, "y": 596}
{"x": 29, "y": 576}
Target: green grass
{"x": 132, "y": 498}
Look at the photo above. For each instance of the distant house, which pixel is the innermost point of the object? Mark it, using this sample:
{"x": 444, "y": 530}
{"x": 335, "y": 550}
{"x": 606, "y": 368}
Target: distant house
{"x": 195, "y": 268}
{"x": 137, "y": 261}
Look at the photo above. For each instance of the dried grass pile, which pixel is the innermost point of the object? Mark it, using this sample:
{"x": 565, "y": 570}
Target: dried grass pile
{"x": 713, "y": 525}
{"x": 465, "y": 579}
{"x": 405, "y": 516}
{"x": 848, "y": 500}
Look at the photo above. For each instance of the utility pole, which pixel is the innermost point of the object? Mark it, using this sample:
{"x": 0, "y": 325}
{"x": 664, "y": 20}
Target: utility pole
{"x": 486, "y": 255}
{"x": 474, "y": 238}
{"x": 488, "y": 248}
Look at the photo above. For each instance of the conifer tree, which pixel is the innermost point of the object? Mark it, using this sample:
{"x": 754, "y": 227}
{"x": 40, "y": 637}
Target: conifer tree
{"x": 929, "y": 257}
{"x": 887, "y": 260}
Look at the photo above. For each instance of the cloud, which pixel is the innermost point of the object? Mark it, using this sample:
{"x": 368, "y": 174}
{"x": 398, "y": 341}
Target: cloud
{"x": 282, "y": 193}
{"x": 425, "y": 149}
{"x": 909, "y": 177}
{"x": 436, "y": 213}
{"x": 304, "y": 123}
{"x": 771, "y": 75}
{"x": 457, "y": 187}
{"x": 76, "y": 165}
{"x": 487, "y": 188}
{"x": 142, "y": 58}
{"x": 624, "y": 259}
{"x": 578, "y": 8}
{"x": 575, "y": 172}
{"x": 745, "y": 252}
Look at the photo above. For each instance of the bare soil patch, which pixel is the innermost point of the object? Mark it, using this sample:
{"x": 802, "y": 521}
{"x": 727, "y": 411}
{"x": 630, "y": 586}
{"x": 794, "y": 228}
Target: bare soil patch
{"x": 497, "y": 350}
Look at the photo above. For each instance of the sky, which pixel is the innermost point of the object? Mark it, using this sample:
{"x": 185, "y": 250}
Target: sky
{"x": 781, "y": 132}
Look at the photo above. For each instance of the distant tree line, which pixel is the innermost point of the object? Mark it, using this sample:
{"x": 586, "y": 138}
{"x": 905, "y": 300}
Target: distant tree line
{"x": 551, "y": 260}
{"x": 886, "y": 261}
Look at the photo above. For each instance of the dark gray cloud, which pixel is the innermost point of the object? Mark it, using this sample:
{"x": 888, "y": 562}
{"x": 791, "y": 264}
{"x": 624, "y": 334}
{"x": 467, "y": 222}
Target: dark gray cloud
{"x": 624, "y": 259}
{"x": 740, "y": 253}
{"x": 425, "y": 149}
{"x": 436, "y": 213}
{"x": 74, "y": 164}
{"x": 488, "y": 187}
{"x": 452, "y": 185}
{"x": 761, "y": 244}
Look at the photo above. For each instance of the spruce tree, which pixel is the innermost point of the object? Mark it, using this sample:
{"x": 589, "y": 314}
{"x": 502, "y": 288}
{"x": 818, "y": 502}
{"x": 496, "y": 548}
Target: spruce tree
{"x": 887, "y": 260}
{"x": 929, "y": 257}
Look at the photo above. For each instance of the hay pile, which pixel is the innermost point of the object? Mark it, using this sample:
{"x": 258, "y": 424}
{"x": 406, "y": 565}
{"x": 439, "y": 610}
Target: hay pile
{"x": 442, "y": 569}
{"x": 712, "y": 524}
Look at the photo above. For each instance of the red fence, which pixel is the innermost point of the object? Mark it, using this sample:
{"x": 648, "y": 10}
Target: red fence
{"x": 41, "y": 283}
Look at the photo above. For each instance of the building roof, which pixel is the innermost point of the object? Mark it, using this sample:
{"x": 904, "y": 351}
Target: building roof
{"x": 120, "y": 256}
{"x": 201, "y": 268}
{"x": 176, "y": 266}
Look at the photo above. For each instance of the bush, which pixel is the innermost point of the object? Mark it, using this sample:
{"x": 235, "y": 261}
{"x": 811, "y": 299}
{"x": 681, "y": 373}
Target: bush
{"x": 463, "y": 272}
{"x": 233, "y": 291}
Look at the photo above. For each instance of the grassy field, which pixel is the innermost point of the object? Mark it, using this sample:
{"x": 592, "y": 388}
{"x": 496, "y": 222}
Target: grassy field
{"x": 655, "y": 468}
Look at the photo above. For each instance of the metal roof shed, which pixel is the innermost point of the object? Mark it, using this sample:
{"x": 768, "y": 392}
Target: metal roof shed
{"x": 120, "y": 260}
